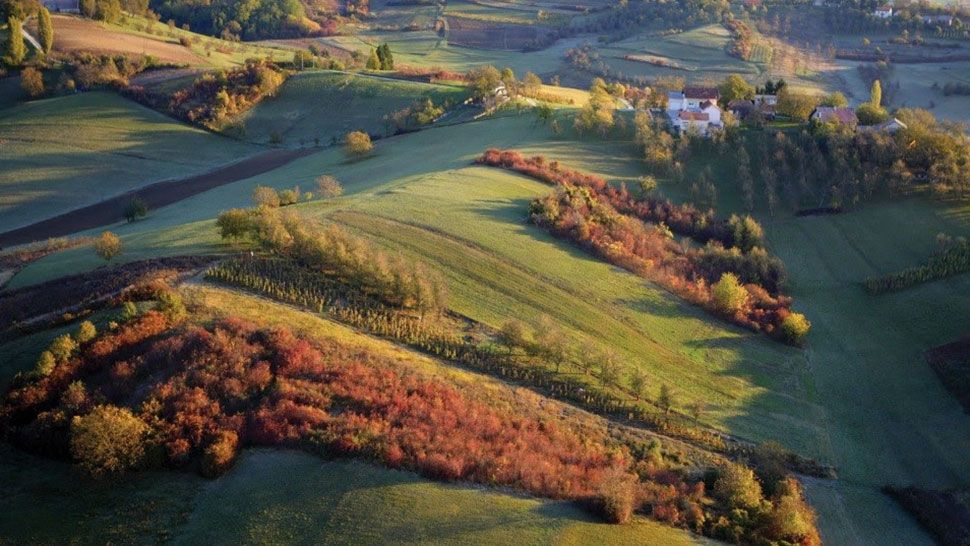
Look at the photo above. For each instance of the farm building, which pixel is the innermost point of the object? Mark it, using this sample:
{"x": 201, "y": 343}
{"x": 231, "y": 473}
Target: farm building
{"x": 883, "y": 12}
{"x": 839, "y": 115}
{"x": 694, "y": 109}
{"x": 889, "y": 126}
{"x": 63, "y": 6}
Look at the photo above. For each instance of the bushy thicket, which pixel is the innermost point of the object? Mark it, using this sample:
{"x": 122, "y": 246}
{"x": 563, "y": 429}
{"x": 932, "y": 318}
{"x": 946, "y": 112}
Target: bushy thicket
{"x": 214, "y": 97}
{"x": 151, "y": 393}
{"x": 608, "y": 221}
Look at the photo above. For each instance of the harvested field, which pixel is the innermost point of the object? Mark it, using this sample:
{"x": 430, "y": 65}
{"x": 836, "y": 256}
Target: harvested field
{"x": 76, "y": 34}
{"x": 951, "y": 362}
{"x": 501, "y": 36}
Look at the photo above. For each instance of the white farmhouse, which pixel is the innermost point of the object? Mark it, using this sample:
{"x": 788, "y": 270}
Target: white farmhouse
{"x": 883, "y": 12}
{"x": 695, "y": 110}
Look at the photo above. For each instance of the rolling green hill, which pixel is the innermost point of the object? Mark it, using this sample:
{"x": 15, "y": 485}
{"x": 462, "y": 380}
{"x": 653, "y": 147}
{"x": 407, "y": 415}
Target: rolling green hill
{"x": 324, "y": 106}
{"x": 63, "y": 153}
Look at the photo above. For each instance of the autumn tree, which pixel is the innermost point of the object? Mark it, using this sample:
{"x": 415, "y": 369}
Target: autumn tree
{"x": 875, "y": 94}
{"x": 735, "y": 87}
{"x": 737, "y": 487}
{"x": 45, "y": 364}
{"x": 835, "y": 100}
{"x": 746, "y": 232}
{"x": 484, "y": 80}
{"x": 107, "y": 246}
{"x": 597, "y": 115}
{"x": 108, "y": 440}
{"x": 794, "y": 328}
{"x": 32, "y": 82}
{"x": 728, "y": 294}
{"x": 264, "y": 196}
{"x": 798, "y": 106}
{"x": 329, "y": 187}
{"x": 86, "y": 331}
{"x": 513, "y": 334}
{"x": 616, "y": 497}
{"x": 638, "y": 383}
{"x": 609, "y": 368}
{"x": 531, "y": 84}
{"x": 63, "y": 347}
{"x": 357, "y": 144}
{"x": 45, "y": 30}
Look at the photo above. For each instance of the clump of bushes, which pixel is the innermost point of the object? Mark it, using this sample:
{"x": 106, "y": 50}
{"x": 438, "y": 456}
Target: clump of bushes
{"x": 204, "y": 393}
{"x": 215, "y": 97}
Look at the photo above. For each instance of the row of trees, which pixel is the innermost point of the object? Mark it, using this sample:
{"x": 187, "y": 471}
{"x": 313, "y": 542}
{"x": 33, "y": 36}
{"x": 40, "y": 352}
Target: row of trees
{"x": 953, "y": 258}
{"x": 335, "y": 252}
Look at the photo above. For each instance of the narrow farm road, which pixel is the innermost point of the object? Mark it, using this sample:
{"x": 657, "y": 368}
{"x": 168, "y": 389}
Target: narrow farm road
{"x": 155, "y": 196}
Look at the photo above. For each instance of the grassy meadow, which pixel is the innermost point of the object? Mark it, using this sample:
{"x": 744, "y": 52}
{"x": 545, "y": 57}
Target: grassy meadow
{"x": 305, "y": 108}
{"x": 63, "y": 153}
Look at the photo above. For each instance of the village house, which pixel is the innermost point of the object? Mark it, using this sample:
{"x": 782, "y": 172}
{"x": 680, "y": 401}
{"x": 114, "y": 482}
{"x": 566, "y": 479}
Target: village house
{"x": 940, "y": 20}
{"x": 889, "y": 126}
{"x": 694, "y": 110}
{"x": 883, "y": 12}
{"x": 838, "y": 115}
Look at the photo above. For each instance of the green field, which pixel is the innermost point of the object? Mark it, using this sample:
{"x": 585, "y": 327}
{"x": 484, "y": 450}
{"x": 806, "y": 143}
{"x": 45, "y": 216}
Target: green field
{"x": 274, "y": 497}
{"x": 324, "y": 106}
{"x": 63, "y": 153}
{"x": 427, "y": 49}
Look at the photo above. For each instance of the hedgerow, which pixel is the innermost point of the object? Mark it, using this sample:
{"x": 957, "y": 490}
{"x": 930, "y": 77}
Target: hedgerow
{"x": 608, "y": 221}
{"x": 950, "y": 261}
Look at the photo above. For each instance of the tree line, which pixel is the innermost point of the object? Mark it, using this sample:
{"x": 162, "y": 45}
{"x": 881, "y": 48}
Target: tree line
{"x": 740, "y": 283}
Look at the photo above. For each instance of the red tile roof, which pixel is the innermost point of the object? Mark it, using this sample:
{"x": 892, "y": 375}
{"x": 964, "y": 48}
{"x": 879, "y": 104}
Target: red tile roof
{"x": 694, "y": 116}
{"x": 701, "y": 93}
{"x": 826, "y": 114}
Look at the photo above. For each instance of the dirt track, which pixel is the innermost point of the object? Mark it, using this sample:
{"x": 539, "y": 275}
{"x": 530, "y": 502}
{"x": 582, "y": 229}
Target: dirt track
{"x": 156, "y": 195}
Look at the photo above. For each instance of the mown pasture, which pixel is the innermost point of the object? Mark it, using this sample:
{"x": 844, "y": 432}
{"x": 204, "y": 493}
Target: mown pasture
{"x": 63, "y": 153}
{"x": 320, "y": 107}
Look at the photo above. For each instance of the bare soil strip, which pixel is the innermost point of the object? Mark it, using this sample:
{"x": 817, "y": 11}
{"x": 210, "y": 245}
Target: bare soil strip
{"x": 156, "y": 195}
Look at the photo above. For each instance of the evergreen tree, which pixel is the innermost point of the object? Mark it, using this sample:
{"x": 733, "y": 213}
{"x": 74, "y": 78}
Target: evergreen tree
{"x": 15, "y": 48}
{"x": 373, "y": 62}
{"x": 875, "y": 95}
{"x": 45, "y": 29}
{"x": 380, "y": 56}
{"x": 387, "y": 59}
